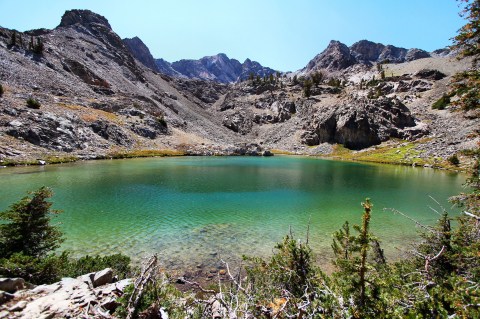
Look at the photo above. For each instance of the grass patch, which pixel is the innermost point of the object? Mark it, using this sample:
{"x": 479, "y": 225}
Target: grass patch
{"x": 60, "y": 159}
{"x": 401, "y": 153}
{"x": 146, "y": 153}
{"x": 51, "y": 159}
{"x": 281, "y": 152}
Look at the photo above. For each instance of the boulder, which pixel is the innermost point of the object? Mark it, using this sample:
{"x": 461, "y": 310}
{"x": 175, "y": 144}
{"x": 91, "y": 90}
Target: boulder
{"x": 103, "y": 277}
{"x": 267, "y": 153}
{"x": 19, "y": 306}
{"x": 12, "y": 284}
{"x": 4, "y": 297}
{"x": 238, "y": 122}
{"x": 429, "y": 74}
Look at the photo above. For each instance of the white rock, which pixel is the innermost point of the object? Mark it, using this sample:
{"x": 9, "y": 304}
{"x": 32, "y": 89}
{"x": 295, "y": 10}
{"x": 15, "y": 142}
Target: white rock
{"x": 103, "y": 277}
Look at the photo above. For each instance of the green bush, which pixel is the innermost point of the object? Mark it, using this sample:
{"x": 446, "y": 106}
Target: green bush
{"x": 32, "y": 103}
{"x": 441, "y": 103}
{"x": 454, "y": 160}
{"x": 87, "y": 264}
{"x": 36, "y": 270}
{"x": 161, "y": 121}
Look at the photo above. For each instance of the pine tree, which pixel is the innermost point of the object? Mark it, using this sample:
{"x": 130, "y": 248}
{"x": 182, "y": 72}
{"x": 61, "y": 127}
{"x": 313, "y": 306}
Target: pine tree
{"x": 307, "y": 87}
{"x": 25, "y": 227}
{"x": 468, "y": 37}
{"x": 13, "y": 39}
{"x": 354, "y": 266}
{"x": 466, "y": 85}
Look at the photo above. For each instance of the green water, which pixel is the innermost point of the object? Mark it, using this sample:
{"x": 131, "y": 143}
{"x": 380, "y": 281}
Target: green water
{"x": 196, "y": 210}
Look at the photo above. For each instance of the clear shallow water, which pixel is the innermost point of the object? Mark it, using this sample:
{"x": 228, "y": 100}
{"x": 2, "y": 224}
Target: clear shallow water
{"x": 195, "y": 210}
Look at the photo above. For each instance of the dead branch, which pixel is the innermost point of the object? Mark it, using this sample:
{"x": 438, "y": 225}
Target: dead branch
{"x": 139, "y": 287}
{"x": 196, "y": 284}
{"x": 472, "y": 215}
{"x": 410, "y": 218}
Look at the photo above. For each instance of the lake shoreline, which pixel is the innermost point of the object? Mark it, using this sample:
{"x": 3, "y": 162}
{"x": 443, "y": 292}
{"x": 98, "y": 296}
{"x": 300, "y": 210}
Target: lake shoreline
{"x": 375, "y": 155}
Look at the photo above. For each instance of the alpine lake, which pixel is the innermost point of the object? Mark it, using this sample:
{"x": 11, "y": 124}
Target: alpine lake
{"x": 195, "y": 211}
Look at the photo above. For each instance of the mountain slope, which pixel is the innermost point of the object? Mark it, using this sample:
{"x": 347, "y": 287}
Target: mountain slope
{"x": 94, "y": 97}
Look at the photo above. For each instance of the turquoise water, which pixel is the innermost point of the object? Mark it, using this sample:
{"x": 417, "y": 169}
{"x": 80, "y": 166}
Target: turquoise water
{"x": 197, "y": 210}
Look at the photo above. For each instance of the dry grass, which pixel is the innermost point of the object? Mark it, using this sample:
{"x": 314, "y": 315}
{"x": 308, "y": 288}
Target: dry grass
{"x": 145, "y": 153}
{"x": 90, "y": 114}
{"x": 281, "y": 152}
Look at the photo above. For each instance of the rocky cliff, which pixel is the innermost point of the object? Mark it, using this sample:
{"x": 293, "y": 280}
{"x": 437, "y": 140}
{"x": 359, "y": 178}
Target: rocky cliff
{"x": 141, "y": 52}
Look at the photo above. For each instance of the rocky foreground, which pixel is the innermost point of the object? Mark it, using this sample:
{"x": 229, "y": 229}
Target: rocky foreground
{"x": 89, "y": 296}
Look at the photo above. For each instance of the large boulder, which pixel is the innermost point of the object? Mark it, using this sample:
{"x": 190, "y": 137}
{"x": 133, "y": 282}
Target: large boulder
{"x": 12, "y": 284}
{"x": 103, "y": 277}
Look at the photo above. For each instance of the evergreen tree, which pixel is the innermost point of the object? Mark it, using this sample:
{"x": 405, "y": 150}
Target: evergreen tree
{"x": 13, "y": 39}
{"x": 38, "y": 48}
{"x": 307, "y": 87}
{"x": 295, "y": 80}
{"x": 31, "y": 44}
{"x": 251, "y": 77}
{"x": 25, "y": 227}
{"x": 466, "y": 85}
{"x": 355, "y": 275}
{"x": 468, "y": 37}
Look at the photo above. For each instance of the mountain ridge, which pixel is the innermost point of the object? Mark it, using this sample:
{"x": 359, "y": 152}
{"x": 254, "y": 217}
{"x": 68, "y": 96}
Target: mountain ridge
{"x": 96, "y": 99}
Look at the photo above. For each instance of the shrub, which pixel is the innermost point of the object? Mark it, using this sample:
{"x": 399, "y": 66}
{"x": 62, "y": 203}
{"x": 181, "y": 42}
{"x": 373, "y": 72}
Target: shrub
{"x": 32, "y": 103}
{"x": 307, "y": 87}
{"x": 334, "y": 82}
{"x": 34, "y": 269}
{"x": 87, "y": 264}
{"x": 454, "y": 160}
{"x": 441, "y": 103}
{"x": 161, "y": 121}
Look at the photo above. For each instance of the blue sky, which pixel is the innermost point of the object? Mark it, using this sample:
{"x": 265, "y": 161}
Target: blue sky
{"x": 282, "y": 34}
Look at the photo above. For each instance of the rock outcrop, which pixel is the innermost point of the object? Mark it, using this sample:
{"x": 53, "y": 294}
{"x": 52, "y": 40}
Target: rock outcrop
{"x": 336, "y": 56}
{"x": 361, "y": 124}
{"x": 141, "y": 52}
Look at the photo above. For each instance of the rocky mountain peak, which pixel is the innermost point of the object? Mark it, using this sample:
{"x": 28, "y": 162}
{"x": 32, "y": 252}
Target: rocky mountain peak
{"x": 219, "y": 68}
{"x": 366, "y": 51}
{"x": 83, "y": 17}
{"x": 336, "y": 56}
{"x": 141, "y": 52}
